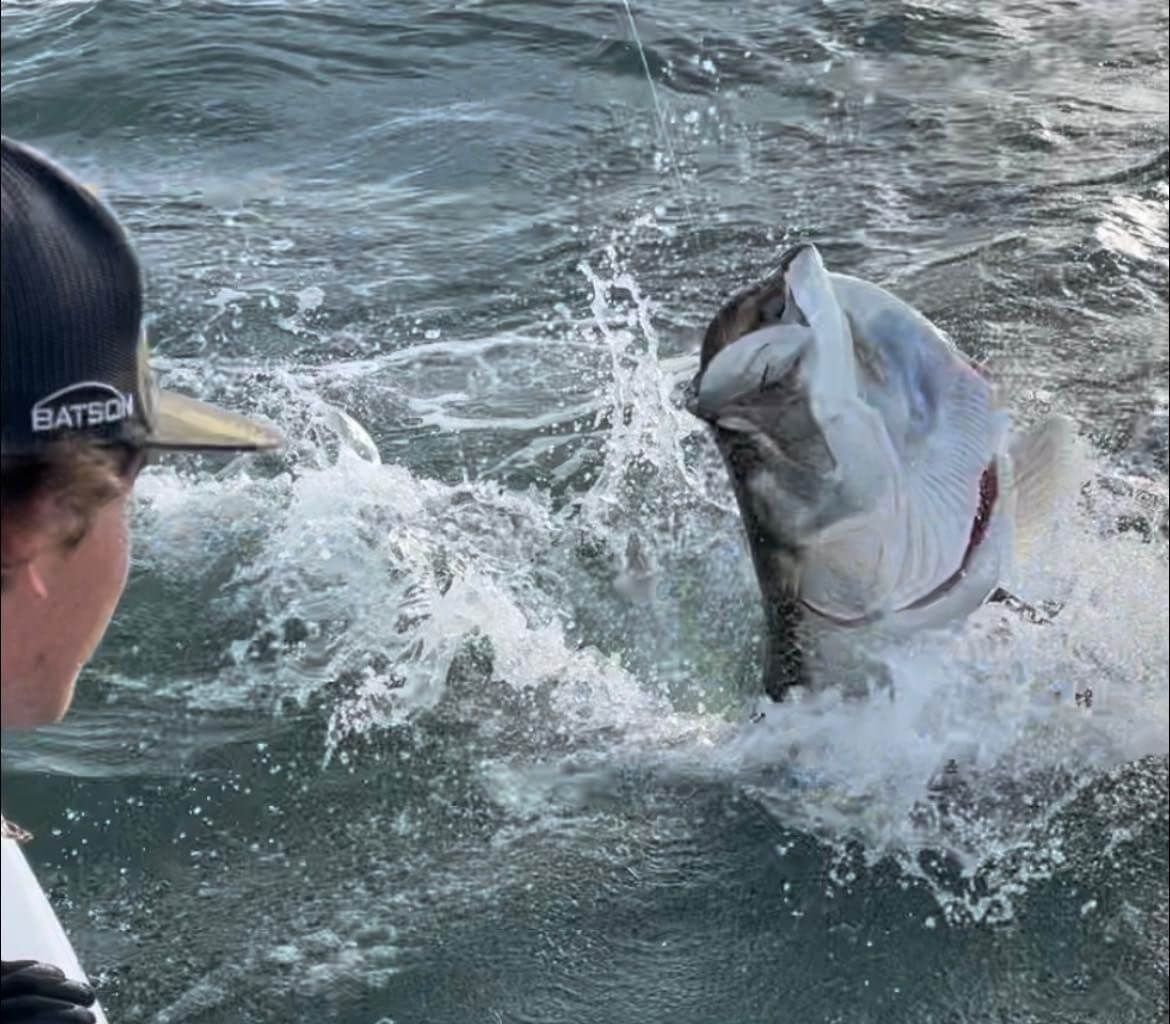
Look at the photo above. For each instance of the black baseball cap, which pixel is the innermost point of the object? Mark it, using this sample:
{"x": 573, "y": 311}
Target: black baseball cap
{"x": 73, "y": 355}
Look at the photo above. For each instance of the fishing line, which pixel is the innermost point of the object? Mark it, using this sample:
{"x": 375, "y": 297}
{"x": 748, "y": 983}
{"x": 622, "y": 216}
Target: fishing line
{"x": 659, "y": 118}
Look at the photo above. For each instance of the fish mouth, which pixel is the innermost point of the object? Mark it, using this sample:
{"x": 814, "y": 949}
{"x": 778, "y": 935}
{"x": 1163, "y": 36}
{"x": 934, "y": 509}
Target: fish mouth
{"x": 749, "y": 309}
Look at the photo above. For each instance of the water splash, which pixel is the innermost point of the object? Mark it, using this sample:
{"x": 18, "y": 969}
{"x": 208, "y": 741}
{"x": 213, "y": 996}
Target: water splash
{"x": 647, "y": 428}
{"x": 613, "y": 624}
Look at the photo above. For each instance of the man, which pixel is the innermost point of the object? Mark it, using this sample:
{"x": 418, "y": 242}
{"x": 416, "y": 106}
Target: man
{"x": 81, "y": 414}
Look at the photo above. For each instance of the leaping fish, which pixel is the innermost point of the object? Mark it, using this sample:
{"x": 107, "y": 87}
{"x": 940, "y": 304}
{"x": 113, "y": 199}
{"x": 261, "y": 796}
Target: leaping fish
{"x": 879, "y": 479}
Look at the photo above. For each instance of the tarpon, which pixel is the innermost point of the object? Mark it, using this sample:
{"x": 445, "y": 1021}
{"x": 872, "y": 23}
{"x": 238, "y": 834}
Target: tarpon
{"x": 879, "y": 479}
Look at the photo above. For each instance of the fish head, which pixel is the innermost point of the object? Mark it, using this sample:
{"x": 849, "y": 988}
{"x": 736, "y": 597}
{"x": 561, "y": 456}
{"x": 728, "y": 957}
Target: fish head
{"x": 758, "y": 305}
{"x": 751, "y": 391}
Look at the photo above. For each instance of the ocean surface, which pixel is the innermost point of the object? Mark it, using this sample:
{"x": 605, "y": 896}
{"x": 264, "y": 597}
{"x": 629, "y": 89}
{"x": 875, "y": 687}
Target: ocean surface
{"x": 451, "y": 723}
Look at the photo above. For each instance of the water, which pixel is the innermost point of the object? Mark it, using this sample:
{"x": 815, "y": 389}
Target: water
{"x": 458, "y": 729}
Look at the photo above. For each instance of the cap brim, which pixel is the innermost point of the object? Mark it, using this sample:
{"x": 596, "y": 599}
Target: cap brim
{"x": 185, "y": 424}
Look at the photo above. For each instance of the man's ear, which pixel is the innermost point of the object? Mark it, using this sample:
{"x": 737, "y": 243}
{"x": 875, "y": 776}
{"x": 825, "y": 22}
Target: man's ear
{"x": 23, "y": 538}
{"x": 26, "y": 573}
{"x": 34, "y": 580}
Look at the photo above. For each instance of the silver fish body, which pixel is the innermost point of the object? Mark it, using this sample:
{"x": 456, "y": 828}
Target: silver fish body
{"x": 878, "y": 478}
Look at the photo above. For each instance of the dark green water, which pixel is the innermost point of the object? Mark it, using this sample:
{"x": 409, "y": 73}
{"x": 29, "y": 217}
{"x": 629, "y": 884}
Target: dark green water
{"x": 457, "y": 736}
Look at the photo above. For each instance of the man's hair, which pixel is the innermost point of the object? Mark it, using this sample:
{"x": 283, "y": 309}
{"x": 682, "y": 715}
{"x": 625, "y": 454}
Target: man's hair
{"x": 58, "y": 492}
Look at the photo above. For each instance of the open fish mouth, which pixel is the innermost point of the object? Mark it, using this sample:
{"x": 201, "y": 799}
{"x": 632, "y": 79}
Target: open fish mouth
{"x": 751, "y": 308}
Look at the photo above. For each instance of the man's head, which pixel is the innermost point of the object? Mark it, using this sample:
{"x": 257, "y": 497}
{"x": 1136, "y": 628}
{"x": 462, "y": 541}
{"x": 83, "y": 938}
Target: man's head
{"x": 81, "y": 412}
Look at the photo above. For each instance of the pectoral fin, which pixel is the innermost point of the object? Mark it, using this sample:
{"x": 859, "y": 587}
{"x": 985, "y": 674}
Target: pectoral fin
{"x": 1042, "y": 472}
